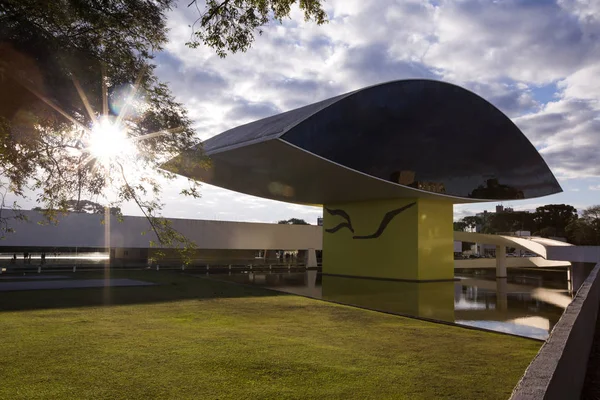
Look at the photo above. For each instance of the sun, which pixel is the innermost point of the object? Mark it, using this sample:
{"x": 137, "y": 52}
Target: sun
{"x": 108, "y": 142}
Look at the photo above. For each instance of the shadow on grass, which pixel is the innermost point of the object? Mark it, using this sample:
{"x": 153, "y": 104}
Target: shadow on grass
{"x": 171, "y": 286}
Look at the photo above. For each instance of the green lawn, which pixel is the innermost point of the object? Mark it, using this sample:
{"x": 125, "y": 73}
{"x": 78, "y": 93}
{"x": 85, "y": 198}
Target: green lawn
{"x": 199, "y": 339}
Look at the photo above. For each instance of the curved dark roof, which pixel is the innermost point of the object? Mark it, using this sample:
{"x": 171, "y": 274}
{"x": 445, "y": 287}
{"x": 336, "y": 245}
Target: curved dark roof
{"x": 266, "y": 128}
{"x": 424, "y": 135}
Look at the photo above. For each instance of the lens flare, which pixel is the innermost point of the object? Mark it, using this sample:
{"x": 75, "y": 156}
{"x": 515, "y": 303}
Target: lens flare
{"x": 109, "y": 142}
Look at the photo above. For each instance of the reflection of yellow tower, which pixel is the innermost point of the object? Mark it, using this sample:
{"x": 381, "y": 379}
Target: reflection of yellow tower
{"x": 433, "y": 300}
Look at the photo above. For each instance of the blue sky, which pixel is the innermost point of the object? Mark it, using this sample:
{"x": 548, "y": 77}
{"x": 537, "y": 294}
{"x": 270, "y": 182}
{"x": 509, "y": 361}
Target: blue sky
{"x": 538, "y": 61}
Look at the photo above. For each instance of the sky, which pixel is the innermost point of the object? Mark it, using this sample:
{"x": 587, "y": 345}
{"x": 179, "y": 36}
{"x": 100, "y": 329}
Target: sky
{"x": 536, "y": 60}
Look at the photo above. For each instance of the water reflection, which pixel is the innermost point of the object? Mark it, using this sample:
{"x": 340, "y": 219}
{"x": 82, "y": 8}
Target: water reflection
{"x": 527, "y": 303}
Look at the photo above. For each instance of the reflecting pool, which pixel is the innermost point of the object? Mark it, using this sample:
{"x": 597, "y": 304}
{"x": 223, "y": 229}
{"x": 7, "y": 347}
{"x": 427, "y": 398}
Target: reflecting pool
{"x": 527, "y": 303}
{"x": 53, "y": 258}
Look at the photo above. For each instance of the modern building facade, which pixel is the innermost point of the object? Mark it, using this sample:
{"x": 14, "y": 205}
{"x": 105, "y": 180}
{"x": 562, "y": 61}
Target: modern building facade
{"x": 387, "y": 163}
{"x": 217, "y": 242}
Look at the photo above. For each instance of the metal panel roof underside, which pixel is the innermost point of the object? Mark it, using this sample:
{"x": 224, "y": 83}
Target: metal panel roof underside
{"x": 277, "y": 170}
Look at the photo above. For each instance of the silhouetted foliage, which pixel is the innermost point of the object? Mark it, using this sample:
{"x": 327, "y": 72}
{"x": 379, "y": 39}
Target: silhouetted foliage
{"x": 585, "y": 231}
{"x": 511, "y": 221}
{"x": 472, "y": 222}
{"x": 459, "y": 226}
{"x": 66, "y": 64}
{"x": 552, "y": 219}
{"x": 86, "y": 206}
{"x": 293, "y": 221}
{"x": 64, "y": 67}
{"x": 230, "y": 25}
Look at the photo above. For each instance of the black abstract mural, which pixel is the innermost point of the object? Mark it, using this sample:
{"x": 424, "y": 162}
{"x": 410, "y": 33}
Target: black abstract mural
{"x": 387, "y": 218}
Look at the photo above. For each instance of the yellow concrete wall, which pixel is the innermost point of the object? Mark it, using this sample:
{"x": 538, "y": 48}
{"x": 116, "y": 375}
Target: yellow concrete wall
{"x": 436, "y": 240}
{"x": 392, "y": 255}
{"x": 416, "y": 245}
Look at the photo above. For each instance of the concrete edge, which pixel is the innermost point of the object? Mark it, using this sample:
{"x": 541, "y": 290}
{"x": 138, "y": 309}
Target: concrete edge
{"x": 558, "y": 370}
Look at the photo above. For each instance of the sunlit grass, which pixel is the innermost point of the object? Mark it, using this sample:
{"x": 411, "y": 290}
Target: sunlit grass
{"x": 199, "y": 339}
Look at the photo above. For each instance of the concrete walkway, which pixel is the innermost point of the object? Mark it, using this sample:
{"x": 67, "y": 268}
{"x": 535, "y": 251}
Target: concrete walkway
{"x": 591, "y": 388}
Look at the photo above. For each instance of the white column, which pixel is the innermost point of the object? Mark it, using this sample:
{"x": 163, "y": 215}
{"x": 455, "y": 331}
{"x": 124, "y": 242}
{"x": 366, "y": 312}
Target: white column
{"x": 500, "y": 262}
{"x": 311, "y": 258}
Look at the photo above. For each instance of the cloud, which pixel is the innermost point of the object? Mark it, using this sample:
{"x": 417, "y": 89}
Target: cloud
{"x": 595, "y": 188}
{"x": 566, "y": 133}
{"x": 535, "y": 61}
{"x": 196, "y": 83}
{"x": 527, "y": 41}
{"x": 583, "y": 84}
{"x": 510, "y": 97}
{"x": 243, "y": 109}
{"x": 375, "y": 63}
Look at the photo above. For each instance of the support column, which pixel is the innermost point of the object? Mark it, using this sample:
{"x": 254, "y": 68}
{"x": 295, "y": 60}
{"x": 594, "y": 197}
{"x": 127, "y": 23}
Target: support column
{"x": 501, "y": 262}
{"x": 311, "y": 258}
{"x": 579, "y": 273}
{"x": 400, "y": 239}
{"x": 270, "y": 257}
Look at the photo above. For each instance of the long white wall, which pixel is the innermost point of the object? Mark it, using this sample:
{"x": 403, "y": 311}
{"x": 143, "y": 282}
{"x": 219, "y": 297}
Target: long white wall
{"x": 87, "y": 230}
{"x": 587, "y": 254}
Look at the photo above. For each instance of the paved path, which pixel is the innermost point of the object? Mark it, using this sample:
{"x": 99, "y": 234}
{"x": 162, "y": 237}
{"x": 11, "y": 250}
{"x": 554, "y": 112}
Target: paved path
{"x": 591, "y": 389}
{"x": 32, "y": 277}
{"x": 69, "y": 284}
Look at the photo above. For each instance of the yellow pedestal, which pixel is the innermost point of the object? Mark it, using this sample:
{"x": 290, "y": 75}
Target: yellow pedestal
{"x": 403, "y": 239}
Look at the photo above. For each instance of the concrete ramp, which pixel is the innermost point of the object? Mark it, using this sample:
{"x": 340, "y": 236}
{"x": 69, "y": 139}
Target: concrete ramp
{"x": 535, "y": 245}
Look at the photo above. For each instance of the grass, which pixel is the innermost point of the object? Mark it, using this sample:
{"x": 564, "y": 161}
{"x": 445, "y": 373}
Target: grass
{"x": 200, "y": 339}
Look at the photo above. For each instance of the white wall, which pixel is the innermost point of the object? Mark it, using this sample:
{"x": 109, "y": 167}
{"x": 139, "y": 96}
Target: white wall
{"x": 587, "y": 254}
{"x": 87, "y": 230}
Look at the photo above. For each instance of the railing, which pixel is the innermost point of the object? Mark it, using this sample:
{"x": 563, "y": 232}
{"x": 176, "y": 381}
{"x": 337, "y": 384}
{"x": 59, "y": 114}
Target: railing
{"x": 207, "y": 268}
{"x": 558, "y": 370}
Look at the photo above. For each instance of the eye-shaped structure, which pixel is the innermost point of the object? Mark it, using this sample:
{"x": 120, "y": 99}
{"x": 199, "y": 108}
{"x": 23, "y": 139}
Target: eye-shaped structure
{"x": 401, "y": 139}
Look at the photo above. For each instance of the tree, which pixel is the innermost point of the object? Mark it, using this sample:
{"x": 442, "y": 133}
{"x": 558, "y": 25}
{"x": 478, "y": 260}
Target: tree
{"x": 547, "y": 232}
{"x": 581, "y": 233}
{"x": 229, "y": 25}
{"x": 585, "y": 231}
{"x": 556, "y": 216}
{"x": 459, "y": 226}
{"x": 591, "y": 215}
{"x": 82, "y": 113}
{"x": 508, "y": 222}
{"x": 86, "y": 206}
{"x": 293, "y": 221}
{"x": 473, "y": 222}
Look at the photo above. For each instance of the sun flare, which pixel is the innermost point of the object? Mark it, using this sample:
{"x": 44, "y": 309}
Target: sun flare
{"x": 108, "y": 141}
